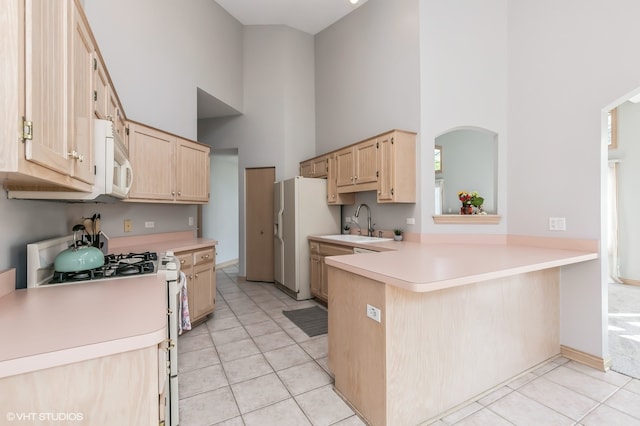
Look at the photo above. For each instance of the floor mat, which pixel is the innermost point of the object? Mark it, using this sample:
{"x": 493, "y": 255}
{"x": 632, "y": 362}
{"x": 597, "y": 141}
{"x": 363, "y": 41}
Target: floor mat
{"x": 313, "y": 321}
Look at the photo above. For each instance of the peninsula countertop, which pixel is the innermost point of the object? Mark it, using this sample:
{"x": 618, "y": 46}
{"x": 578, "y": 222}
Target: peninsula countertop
{"x": 422, "y": 267}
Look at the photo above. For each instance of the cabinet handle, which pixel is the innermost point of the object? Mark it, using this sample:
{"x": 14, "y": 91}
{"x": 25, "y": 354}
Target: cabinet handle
{"x": 182, "y": 262}
{"x": 76, "y": 155}
{"x": 190, "y": 277}
{"x": 196, "y": 275}
{"x": 173, "y": 192}
{"x": 179, "y": 193}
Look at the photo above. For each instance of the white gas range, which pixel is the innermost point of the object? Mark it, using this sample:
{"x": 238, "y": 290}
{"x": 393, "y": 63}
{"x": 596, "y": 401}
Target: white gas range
{"x": 41, "y": 273}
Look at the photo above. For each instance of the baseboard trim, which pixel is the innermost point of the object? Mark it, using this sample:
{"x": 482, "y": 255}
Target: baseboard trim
{"x": 227, "y": 263}
{"x": 589, "y": 360}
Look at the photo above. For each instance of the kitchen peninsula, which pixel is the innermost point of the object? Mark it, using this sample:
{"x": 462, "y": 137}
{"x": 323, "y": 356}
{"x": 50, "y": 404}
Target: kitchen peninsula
{"x": 455, "y": 320}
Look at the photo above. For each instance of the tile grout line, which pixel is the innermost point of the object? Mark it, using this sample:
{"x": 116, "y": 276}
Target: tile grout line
{"x": 291, "y": 396}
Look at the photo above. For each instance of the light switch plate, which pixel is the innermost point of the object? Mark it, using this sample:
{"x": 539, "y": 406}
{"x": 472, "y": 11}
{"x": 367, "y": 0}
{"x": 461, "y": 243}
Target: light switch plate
{"x": 557, "y": 224}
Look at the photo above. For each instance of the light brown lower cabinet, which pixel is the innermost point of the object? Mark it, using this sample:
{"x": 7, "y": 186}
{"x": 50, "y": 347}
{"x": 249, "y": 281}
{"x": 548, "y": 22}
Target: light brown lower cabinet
{"x": 319, "y": 285}
{"x": 120, "y": 389}
{"x": 200, "y": 268}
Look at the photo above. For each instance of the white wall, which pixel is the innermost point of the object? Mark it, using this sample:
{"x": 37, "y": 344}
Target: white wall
{"x": 23, "y": 222}
{"x": 158, "y": 52}
{"x": 463, "y": 48}
{"x": 567, "y": 62}
{"x": 628, "y": 152}
{"x": 368, "y": 82}
{"x": 220, "y": 216}
{"x": 277, "y": 126}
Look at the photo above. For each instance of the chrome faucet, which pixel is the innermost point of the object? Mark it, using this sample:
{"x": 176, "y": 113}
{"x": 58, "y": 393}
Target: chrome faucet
{"x": 369, "y": 227}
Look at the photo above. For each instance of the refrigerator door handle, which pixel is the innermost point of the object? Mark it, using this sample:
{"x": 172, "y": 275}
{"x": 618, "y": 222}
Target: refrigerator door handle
{"x": 275, "y": 229}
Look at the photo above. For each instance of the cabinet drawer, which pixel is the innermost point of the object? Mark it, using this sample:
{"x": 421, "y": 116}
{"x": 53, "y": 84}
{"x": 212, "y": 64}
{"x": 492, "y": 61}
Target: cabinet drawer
{"x": 314, "y": 247}
{"x": 334, "y": 250}
{"x": 204, "y": 256}
{"x": 186, "y": 260}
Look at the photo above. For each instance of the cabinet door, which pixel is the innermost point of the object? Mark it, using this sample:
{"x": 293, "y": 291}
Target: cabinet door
{"x": 82, "y": 52}
{"x": 306, "y": 168}
{"x": 112, "y": 104}
{"x": 386, "y": 165}
{"x": 344, "y": 167}
{"x": 46, "y": 74}
{"x": 204, "y": 291}
{"x": 120, "y": 123}
{"x": 151, "y": 154}
{"x": 324, "y": 284}
{"x": 316, "y": 275}
{"x": 320, "y": 167}
{"x": 333, "y": 197}
{"x": 101, "y": 88}
{"x": 366, "y": 155}
{"x": 192, "y": 171}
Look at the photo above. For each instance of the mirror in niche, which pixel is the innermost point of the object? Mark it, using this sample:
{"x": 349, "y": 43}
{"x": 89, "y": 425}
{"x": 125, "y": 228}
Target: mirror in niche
{"x": 471, "y": 165}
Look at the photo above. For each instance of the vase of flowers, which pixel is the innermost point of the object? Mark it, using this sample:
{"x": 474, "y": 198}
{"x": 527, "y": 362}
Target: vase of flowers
{"x": 469, "y": 201}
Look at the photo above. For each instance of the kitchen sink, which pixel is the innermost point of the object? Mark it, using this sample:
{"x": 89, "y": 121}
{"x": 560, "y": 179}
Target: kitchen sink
{"x": 352, "y": 238}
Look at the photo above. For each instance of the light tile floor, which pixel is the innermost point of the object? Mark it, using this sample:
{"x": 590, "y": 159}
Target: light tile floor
{"x": 249, "y": 365}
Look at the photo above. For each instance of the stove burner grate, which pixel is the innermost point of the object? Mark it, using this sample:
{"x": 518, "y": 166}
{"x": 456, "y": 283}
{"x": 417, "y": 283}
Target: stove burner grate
{"x": 115, "y": 265}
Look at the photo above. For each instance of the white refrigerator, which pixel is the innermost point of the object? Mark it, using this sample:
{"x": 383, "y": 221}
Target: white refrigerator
{"x": 300, "y": 210}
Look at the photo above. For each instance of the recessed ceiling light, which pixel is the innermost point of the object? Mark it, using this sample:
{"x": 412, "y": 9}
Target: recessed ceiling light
{"x": 354, "y": 1}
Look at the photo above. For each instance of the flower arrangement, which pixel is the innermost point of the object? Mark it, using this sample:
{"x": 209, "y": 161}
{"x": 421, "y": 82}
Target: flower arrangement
{"x": 470, "y": 199}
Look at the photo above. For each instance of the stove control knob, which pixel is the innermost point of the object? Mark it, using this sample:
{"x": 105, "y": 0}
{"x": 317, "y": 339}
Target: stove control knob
{"x": 171, "y": 266}
{"x": 169, "y": 253}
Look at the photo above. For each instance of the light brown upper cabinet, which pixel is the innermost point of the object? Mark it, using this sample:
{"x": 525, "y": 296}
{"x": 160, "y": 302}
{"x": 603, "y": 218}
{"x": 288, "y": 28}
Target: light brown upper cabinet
{"x": 314, "y": 168}
{"x": 397, "y": 167}
{"x": 333, "y": 197}
{"x": 167, "y": 168}
{"x": 357, "y": 167}
{"x": 385, "y": 163}
{"x": 46, "y": 78}
{"x": 306, "y": 168}
{"x": 106, "y": 103}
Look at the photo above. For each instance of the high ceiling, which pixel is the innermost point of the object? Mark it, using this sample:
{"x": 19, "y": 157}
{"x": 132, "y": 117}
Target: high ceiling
{"x": 310, "y": 16}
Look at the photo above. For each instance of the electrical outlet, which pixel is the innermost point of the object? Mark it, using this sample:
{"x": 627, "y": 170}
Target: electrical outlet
{"x": 190, "y": 220}
{"x": 374, "y": 313}
{"x": 149, "y": 224}
{"x": 128, "y": 225}
{"x": 557, "y": 224}
{"x": 411, "y": 221}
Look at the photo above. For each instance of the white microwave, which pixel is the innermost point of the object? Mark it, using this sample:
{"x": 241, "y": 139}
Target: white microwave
{"x": 113, "y": 177}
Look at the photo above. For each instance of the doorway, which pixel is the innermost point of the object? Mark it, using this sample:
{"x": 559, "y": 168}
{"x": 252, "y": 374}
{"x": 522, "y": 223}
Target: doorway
{"x": 259, "y": 223}
{"x": 221, "y": 216}
{"x": 623, "y": 225}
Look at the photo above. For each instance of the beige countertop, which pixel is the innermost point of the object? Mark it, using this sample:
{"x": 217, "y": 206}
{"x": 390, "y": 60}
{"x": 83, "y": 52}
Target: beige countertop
{"x": 50, "y": 326}
{"x": 62, "y": 324}
{"x": 175, "y": 241}
{"x": 422, "y": 267}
